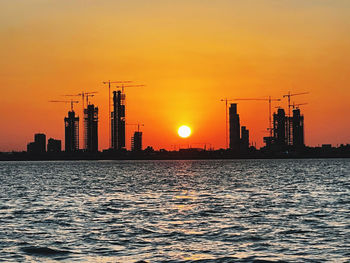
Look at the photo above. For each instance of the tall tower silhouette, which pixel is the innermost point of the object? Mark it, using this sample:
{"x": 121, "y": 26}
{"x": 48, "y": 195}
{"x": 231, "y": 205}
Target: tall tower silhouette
{"x": 234, "y": 128}
{"x": 71, "y": 124}
{"x": 118, "y": 121}
{"x": 280, "y": 126}
{"x": 298, "y": 129}
{"x": 91, "y": 128}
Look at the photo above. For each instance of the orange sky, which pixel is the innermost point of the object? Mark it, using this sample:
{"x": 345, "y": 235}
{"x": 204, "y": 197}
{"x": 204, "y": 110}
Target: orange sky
{"x": 189, "y": 53}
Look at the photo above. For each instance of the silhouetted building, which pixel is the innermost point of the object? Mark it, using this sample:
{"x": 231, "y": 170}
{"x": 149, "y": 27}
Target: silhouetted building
{"x": 118, "y": 121}
{"x": 288, "y": 132}
{"x": 71, "y": 124}
{"x": 91, "y": 128}
{"x": 234, "y": 128}
{"x": 136, "y": 141}
{"x": 269, "y": 141}
{"x": 244, "y": 139}
{"x": 298, "y": 129}
{"x": 39, "y": 144}
{"x": 54, "y": 145}
{"x": 31, "y": 147}
{"x": 279, "y": 128}
{"x": 40, "y": 140}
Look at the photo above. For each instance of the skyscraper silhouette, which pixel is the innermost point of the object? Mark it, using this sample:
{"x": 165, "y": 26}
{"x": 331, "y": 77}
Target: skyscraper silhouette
{"x": 118, "y": 121}
{"x": 298, "y": 129}
{"x": 234, "y": 128}
{"x": 91, "y": 128}
{"x": 280, "y": 123}
{"x": 71, "y": 124}
{"x": 244, "y": 139}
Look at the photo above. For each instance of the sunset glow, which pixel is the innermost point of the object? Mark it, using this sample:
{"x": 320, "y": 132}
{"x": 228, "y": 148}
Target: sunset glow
{"x": 184, "y": 131}
{"x": 189, "y": 54}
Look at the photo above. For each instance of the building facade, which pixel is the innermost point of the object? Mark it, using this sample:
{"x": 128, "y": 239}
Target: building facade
{"x": 118, "y": 121}
{"x": 54, "y": 145}
{"x": 91, "y": 128}
{"x": 234, "y": 128}
{"x": 71, "y": 124}
{"x": 136, "y": 142}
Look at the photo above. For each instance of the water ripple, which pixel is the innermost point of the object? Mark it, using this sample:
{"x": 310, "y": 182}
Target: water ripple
{"x": 175, "y": 211}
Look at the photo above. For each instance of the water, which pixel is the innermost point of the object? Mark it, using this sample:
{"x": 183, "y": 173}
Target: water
{"x": 175, "y": 211}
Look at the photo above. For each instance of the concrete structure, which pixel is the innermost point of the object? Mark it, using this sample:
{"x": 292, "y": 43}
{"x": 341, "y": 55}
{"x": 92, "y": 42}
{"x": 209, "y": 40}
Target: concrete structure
{"x": 298, "y": 129}
{"x": 91, "y": 128}
{"x": 71, "y": 124}
{"x": 118, "y": 121}
{"x": 280, "y": 128}
{"x": 234, "y": 128}
{"x": 54, "y": 145}
{"x": 244, "y": 147}
{"x": 288, "y": 132}
{"x": 136, "y": 142}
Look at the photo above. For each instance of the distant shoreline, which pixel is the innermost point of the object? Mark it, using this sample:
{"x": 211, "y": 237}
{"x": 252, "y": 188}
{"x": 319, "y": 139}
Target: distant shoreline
{"x": 188, "y": 154}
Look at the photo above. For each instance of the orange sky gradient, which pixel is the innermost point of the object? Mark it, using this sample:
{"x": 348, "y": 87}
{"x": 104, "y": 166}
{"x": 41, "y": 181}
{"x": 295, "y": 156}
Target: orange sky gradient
{"x": 189, "y": 53}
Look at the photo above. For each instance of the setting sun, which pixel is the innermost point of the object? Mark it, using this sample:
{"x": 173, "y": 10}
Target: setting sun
{"x": 184, "y": 131}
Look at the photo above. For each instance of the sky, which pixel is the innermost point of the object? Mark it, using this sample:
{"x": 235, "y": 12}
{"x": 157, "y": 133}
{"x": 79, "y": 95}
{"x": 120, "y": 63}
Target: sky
{"x": 190, "y": 54}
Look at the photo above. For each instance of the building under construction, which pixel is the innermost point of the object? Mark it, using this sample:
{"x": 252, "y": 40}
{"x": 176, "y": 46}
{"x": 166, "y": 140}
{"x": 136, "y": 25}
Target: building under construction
{"x": 118, "y": 121}
{"x": 71, "y": 124}
{"x": 288, "y": 131}
{"x": 91, "y": 128}
{"x": 136, "y": 142}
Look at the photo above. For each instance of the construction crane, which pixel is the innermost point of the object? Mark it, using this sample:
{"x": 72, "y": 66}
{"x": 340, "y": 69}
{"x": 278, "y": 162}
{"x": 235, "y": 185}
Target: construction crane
{"x": 269, "y": 99}
{"x": 226, "y": 128}
{"x": 109, "y": 102}
{"x": 66, "y": 101}
{"x": 126, "y": 86}
{"x": 136, "y": 124}
{"x": 289, "y": 131}
{"x": 291, "y": 95}
{"x": 87, "y": 98}
{"x": 83, "y": 95}
{"x": 296, "y": 106}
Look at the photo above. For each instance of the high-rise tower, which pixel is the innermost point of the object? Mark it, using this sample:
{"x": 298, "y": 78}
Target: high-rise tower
{"x": 118, "y": 121}
{"x": 91, "y": 128}
{"x": 280, "y": 128}
{"x": 298, "y": 128}
{"x": 234, "y": 128}
{"x": 71, "y": 124}
{"x": 244, "y": 147}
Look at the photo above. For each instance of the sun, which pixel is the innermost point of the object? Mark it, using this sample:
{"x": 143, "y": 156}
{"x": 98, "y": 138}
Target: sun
{"x": 184, "y": 131}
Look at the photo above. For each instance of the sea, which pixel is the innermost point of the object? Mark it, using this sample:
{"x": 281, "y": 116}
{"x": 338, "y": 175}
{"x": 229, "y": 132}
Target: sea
{"x": 175, "y": 211}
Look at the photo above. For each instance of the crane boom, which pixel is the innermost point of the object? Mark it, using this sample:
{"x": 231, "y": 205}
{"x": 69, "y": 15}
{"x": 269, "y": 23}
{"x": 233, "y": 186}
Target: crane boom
{"x": 136, "y": 124}
{"x": 289, "y": 105}
{"x": 226, "y": 124}
{"x": 66, "y": 101}
{"x": 269, "y": 99}
{"x": 109, "y": 103}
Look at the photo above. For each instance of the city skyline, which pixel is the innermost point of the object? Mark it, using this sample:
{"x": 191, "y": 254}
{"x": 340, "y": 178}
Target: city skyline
{"x": 190, "y": 55}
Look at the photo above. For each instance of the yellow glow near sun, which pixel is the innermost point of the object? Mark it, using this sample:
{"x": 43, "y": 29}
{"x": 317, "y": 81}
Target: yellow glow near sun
{"x": 184, "y": 131}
